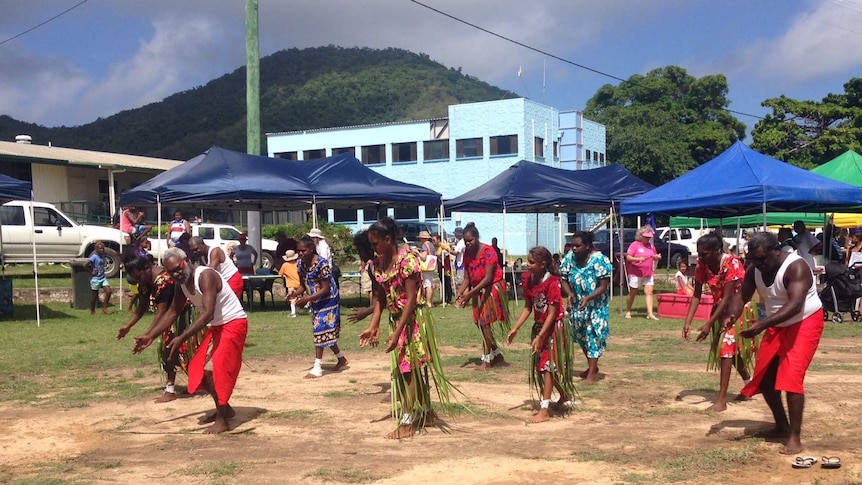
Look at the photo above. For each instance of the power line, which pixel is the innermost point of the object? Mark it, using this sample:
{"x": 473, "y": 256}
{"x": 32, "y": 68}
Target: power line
{"x": 45, "y": 22}
{"x": 548, "y": 54}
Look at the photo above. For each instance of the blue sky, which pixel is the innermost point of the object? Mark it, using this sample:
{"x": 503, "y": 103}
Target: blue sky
{"x": 106, "y": 56}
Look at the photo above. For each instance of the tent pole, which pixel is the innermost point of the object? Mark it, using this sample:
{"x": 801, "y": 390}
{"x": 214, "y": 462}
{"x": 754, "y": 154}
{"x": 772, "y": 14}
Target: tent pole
{"x": 159, "y": 221}
{"x": 35, "y": 266}
{"x": 313, "y": 211}
{"x": 514, "y": 283}
{"x": 440, "y": 262}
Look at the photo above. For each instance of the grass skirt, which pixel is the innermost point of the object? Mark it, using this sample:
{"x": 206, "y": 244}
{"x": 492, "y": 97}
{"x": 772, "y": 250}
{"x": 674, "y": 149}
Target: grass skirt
{"x": 416, "y": 358}
{"x": 556, "y": 357}
{"x": 746, "y": 348}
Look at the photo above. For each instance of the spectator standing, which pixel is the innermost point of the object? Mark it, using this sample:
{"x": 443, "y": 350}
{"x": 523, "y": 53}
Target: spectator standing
{"x": 641, "y": 258}
{"x": 179, "y": 226}
{"x": 96, "y": 266}
{"x": 244, "y": 255}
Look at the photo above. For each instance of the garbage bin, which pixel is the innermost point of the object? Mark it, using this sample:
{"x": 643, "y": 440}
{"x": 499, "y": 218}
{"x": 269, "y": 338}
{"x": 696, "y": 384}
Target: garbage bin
{"x": 81, "y": 292}
{"x": 5, "y": 298}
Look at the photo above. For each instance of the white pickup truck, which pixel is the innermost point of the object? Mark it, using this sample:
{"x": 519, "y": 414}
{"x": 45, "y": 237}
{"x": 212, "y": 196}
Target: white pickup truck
{"x": 57, "y": 238}
{"x": 223, "y": 236}
{"x": 687, "y": 236}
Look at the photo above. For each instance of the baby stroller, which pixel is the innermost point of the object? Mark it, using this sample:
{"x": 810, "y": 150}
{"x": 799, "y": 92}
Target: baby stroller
{"x": 843, "y": 287}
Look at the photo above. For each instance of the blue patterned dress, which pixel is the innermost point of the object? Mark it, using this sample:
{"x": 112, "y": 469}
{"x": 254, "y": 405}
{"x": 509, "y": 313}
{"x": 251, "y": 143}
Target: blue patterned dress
{"x": 589, "y": 326}
{"x": 325, "y": 311}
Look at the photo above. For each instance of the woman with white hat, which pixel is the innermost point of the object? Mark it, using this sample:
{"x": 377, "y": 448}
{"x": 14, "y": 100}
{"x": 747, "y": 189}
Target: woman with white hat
{"x": 320, "y": 244}
{"x": 290, "y": 274}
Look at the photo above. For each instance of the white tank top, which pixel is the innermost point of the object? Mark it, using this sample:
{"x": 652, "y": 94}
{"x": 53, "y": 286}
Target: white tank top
{"x": 226, "y": 269}
{"x": 775, "y": 296}
{"x": 227, "y": 306}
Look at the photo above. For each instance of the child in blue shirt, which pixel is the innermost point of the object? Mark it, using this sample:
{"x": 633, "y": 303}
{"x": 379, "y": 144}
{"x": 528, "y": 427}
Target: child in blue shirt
{"x": 96, "y": 266}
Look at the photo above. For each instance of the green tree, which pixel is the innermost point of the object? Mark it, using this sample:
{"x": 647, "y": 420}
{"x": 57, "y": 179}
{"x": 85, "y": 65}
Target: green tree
{"x": 661, "y": 125}
{"x": 810, "y": 133}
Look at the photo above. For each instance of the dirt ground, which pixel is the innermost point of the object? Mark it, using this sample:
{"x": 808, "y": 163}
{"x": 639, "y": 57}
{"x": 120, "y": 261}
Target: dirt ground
{"x": 292, "y": 430}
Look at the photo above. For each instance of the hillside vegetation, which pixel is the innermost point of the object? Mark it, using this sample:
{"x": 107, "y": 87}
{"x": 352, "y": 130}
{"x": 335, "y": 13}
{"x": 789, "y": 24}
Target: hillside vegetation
{"x": 299, "y": 89}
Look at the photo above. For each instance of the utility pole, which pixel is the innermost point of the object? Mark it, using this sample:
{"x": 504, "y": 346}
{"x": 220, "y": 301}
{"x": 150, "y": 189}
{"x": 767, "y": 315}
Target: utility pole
{"x": 252, "y": 102}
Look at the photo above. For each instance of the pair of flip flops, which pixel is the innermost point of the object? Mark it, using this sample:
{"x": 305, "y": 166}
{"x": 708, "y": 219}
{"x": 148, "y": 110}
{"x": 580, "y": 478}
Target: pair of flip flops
{"x": 809, "y": 461}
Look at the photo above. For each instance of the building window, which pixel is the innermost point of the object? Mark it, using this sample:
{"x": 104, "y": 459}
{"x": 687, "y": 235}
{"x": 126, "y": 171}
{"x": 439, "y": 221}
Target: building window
{"x": 468, "y": 148}
{"x": 404, "y": 152}
{"x": 402, "y": 213}
{"x": 587, "y": 158}
{"x": 539, "y": 146}
{"x": 504, "y": 145}
{"x": 557, "y": 149}
{"x": 371, "y": 215}
{"x": 312, "y": 154}
{"x": 344, "y": 215}
{"x": 436, "y": 149}
{"x": 287, "y": 155}
{"x": 339, "y": 151}
{"x": 602, "y": 157}
{"x": 372, "y": 154}
{"x": 595, "y": 156}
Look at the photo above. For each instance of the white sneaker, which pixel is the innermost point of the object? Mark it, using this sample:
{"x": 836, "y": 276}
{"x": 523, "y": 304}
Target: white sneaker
{"x": 293, "y": 315}
{"x": 316, "y": 371}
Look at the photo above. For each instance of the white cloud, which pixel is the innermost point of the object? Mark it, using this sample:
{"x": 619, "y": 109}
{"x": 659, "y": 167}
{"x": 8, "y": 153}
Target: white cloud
{"x": 182, "y": 52}
{"x": 822, "y": 42}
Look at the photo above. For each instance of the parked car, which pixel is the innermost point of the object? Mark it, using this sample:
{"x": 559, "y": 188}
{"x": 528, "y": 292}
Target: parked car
{"x": 686, "y": 236}
{"x": 671, "y": 253}
{"x": 223, "y": 236}
{"x": 410, "y": 230}
{"x": 39, "y": 227}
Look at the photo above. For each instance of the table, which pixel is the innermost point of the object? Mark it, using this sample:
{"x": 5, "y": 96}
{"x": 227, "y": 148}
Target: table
{"x": 354, "y": 276}
{"x": 251, "y": 282}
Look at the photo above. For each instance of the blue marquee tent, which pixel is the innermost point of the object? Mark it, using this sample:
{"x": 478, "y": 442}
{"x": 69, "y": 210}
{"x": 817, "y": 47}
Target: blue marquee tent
{"x": 243, "y": 181}
{"x": 741, "y": 181}
{"x": 533, "y": 187}
{"x": 14, "y": 189}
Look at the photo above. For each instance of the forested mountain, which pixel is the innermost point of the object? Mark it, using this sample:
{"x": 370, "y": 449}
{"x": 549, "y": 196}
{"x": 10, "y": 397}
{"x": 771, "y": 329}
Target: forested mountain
{"x": 299, "y": 89}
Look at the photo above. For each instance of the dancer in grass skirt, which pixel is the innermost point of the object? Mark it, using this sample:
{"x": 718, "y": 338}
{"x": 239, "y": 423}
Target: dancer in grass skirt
{"x": 485, "y": 288}
{"x": 724, "y": 274}
{"x": 411, "y": 343}
{"x": 551, "y": 362}
{"x": 156, "y": 288}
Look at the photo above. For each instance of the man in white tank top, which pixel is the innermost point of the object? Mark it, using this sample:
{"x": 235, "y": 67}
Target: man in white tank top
{"x": 792, "y": 330}
{"x": 216, "y": 259}
{"x": 216, "y": 364}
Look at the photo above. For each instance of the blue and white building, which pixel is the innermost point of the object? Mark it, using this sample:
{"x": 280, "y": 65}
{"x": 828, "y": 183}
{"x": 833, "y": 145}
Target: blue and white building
{"x": 453, "y": 155}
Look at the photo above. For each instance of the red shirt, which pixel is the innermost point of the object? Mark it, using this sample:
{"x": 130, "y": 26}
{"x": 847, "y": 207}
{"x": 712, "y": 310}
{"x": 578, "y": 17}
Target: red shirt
{"x": 476, "y": 267}
{"x": 543, "y": 295}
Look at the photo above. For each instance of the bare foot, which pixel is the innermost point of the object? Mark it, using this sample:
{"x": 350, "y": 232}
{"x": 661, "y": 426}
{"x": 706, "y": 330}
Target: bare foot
{"x": 92, "y": 312}
{"x": 105, "y": 312}
{"x": 403, "y": 431}
{"x": 342, "y": 362}
{"x": 166, "y": 397}
{"x": 718, "y": 406}
{"x": 629, "y": 315}
{"x": 583, "y": 375}
{"x": 589, "y": 380}
{"x": 484, "y": 366}
{"x": 210, "y": 418}
{"x": 310, "y": 376}
{"x": 498, "y": 359}
{"x": 793, "y": 447}
{"x": 540, "y": 417}
{"x": 219, "y": 426}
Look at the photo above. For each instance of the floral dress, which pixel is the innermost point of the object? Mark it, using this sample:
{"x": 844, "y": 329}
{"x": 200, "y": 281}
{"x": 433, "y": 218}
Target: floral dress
{"x": 731, "y": 269}
{"x": 325, "y": 311}
{"x": 417, "y": 345}
{"x": 492, "y": 303}
{"x": 555, "y": 353}
{"x": 590, "y": 325}
{"x": 162, "y": 291}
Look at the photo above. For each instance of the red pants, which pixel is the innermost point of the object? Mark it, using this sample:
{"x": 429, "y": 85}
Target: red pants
{"x": 227, "y": 343}
{"x": 794, "y": 347}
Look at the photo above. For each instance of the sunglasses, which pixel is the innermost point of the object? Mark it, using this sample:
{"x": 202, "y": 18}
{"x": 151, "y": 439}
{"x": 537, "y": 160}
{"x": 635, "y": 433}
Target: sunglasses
{"x": 179, "y": 269}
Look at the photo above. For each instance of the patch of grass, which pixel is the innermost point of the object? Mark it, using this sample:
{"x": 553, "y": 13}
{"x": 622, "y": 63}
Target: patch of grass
{"x": 108, "y": 465}
{"x": 53, "y": 467}
{"x": 341, "y": 393}
{"x": 470, "y": 375}
{"x": 598, "y": 455}
{"x": 687, "y": 380}
{"x": 815, "y": 366}
{"x": 344, "y": 475}
{"x": 42, "y": 481}
{"x": 213, "y": 469}
{"x": 687, "y": 465}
